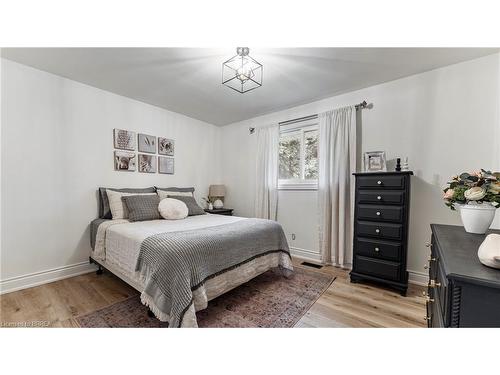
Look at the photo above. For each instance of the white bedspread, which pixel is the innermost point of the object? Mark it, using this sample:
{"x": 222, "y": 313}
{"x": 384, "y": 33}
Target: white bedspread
{"x": 119, "y": 241}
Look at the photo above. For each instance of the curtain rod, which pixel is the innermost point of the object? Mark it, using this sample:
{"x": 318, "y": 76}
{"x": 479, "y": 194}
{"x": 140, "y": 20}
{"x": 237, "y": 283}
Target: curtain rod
{"x": 361, "y": 105}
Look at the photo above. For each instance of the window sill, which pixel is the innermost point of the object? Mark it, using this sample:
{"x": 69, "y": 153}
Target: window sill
{"x": 298, "y": 186}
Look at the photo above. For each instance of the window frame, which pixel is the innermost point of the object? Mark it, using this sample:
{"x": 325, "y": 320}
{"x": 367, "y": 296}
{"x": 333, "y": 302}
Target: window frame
{"x": 301, "y": 127}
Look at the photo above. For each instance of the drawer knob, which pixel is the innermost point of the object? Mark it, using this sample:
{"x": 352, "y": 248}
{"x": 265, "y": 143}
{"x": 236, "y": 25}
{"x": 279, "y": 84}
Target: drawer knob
{"x": 379, "y": 197}
{"x": 377, "y": 230}
{"x": 378, "y": 213}
{"x": 429, "y": 299}
{"x": 379, "y": 182}
{"x": 426, "y": 267}
{"x": 431, "y": 259}
{"x": 377, "y": 249}
{"x": 428, "y": 244}
{"x": 426, "y": 318}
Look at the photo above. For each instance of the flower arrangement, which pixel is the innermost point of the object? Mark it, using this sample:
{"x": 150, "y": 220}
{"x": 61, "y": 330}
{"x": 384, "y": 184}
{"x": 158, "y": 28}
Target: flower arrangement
{"x": 476, "y": 187}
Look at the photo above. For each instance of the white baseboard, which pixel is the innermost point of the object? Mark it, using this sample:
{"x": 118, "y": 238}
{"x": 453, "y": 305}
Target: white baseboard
{"x": 418, "y": 278}
{"x": 305, "y": 254}
{"x": 44, "y": 277}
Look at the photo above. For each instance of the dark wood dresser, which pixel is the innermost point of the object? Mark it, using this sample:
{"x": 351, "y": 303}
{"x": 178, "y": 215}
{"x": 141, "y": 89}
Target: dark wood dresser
{"x": 382, "y": 207}
{"x": 220, "y": 211}
{"x": 462, "y": 291}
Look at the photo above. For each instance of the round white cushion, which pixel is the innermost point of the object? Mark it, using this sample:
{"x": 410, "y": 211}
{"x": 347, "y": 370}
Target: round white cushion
{"x": 172, "y": 209}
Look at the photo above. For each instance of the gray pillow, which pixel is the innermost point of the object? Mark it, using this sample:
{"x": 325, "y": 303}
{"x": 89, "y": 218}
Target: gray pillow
{"x": 142, "y": 207}
{"x": 104, "y": 211}
{"x": 193, "y": 208}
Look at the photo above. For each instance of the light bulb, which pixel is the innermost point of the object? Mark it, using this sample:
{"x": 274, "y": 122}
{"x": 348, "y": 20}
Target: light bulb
{"x": 243, "y": 74}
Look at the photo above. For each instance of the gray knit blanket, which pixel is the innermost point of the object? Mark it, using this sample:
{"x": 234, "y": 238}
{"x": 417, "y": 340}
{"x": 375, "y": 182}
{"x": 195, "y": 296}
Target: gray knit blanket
{"x": 175, "y": 264}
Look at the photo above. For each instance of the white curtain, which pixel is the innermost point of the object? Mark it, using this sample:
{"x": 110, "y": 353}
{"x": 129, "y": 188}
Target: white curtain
{"x": 337, "y": 163}
{"x": 266, "y": 195}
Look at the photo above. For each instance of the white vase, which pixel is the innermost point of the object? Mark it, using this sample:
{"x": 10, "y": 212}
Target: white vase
{"x": 477, "y": 218}
{"x": 489, "y": 251}
{"x": 210, "y": 206}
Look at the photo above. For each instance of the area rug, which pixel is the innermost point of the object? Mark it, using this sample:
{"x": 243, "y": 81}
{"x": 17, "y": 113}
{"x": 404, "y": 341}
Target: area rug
{"x": 269, "y": 300}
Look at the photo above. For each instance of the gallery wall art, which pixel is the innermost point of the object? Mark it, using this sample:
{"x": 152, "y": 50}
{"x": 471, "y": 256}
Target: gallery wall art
{"x": 124, "y": 161}
{"x": 165, "y": 146}
{"x": 124, "y": 139}
{"x": 147, "y": 163}
{"x": 147, "y": 143}
{"x": 165, "y": 165}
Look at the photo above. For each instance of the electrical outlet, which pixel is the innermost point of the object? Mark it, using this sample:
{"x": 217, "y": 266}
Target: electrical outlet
{"x": 293, "y": 236}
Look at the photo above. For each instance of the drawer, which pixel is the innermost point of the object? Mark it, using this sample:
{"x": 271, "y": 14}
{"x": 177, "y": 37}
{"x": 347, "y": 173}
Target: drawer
{"x": 381, "y": 182}
{"x": 378, "y": 268}
{"x": 377, "y": 249}
{"x": 379, "y": 230}
{"x": 380, "y": 213}
{"x": 380, "y": 196}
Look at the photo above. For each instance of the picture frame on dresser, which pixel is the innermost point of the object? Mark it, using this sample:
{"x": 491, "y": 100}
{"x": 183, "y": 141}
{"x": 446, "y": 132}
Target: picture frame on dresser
{"x": 381, "y": 223}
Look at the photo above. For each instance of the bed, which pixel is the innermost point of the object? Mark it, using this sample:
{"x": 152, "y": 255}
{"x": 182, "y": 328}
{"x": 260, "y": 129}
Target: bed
{"x": 180, "y": 265}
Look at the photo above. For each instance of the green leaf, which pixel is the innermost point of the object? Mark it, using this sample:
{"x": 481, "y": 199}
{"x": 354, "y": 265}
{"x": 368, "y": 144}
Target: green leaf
{"x": 464, "y": 176}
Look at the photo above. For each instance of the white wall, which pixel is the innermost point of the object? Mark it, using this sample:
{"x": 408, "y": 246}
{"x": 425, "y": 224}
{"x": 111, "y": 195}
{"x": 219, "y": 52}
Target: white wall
{"x": 57, "y": 149}
{"x": 445, "y": 121}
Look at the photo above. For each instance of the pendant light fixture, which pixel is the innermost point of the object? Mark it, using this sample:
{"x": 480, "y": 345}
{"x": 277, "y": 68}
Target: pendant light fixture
{"x": 241, "y": 72}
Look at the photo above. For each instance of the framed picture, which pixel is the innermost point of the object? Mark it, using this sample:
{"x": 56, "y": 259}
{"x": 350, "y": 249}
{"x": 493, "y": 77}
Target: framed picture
{"x": 165, "y": 146}
{"x": 124, "y": 139}
{"x": 147, "y": 143}
{"x": 165, "y": 165}
{"x": 374, "y": 161}
{"x": 147, "y": 163}
{"x": 124, "y": 161}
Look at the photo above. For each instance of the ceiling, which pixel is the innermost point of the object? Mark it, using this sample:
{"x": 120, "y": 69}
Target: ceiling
{"x": 188, "y": 80}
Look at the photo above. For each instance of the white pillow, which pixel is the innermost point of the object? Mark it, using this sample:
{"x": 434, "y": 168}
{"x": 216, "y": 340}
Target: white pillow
{"x": 172, "y": 209}
{"x": 164, "y": 193}
{"x": 117, "y": 207}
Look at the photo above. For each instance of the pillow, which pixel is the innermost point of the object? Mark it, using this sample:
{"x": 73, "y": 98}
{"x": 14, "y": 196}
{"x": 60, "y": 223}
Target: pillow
{"x": 193, "y": 208}
{"x": 104, "y": 211}
{"x": 172, "y": 209}
{"x": 117, "y": 207}
{"x": 142, "y": 207}
{"x": 174, "y": 191}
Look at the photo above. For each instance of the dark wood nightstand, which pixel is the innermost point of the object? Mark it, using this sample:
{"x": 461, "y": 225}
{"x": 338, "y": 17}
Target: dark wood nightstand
{"x": 220, "y": 211}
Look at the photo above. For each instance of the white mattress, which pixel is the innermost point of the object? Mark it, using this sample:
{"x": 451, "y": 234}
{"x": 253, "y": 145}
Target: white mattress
{"x": 123, "y": 240}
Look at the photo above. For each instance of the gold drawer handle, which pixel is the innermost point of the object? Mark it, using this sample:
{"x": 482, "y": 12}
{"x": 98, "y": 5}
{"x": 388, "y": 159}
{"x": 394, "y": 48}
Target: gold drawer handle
{"x": 434, "y": 284}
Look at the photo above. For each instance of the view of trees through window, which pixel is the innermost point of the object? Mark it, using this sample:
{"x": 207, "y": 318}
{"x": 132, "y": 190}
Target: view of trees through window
{"x": 298, "y": 155}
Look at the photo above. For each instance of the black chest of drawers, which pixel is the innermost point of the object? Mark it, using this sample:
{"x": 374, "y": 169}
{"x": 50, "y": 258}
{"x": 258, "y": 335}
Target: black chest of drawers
{"x": 462, "y": 292}
{"x": 382, "y": 207}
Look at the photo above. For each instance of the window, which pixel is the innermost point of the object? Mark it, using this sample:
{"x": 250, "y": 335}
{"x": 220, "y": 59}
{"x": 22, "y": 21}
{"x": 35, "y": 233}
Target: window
{"x": 298, "y": 156}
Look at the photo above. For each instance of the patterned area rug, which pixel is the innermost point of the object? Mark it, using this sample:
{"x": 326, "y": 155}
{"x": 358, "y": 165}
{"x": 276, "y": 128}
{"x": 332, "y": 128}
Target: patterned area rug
{"x": 269, "y": 300}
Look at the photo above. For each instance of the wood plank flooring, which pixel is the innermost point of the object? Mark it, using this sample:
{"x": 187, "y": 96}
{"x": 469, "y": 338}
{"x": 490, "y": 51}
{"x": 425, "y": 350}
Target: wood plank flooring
{"x": 342, "y": 305}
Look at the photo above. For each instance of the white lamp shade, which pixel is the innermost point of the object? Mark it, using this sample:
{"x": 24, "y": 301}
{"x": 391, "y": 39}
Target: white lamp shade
{"x": 216, "y": 191}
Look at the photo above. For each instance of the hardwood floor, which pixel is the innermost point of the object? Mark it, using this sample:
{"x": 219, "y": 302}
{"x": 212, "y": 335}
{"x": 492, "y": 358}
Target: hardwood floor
{"x": 342, "y": 305}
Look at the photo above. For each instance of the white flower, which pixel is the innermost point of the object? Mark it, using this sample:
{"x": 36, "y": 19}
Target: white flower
{"x": 495, "y": 188}
{"x": 475, "y": 193}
